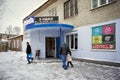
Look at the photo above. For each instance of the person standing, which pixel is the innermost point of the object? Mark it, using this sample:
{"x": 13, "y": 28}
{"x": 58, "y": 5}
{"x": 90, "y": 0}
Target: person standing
{"x": 29, "y": 53}
{"x": 63, "y": 53}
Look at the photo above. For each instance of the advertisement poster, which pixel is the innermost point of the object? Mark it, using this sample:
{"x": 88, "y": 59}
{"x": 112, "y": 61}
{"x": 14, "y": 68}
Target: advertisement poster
{"x": 97, "y": 31}
{"x": 97, "y": 39}
{"x": 103, "y": 46}
{"x": 108, "y": 29}
{"x": 103, "y": 37}
{"x": 108, "y": 38}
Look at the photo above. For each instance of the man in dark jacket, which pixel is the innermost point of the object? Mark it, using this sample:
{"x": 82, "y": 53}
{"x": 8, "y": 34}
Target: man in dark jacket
{"x": 63, "y": 52}
{"x": 29, "y": 53}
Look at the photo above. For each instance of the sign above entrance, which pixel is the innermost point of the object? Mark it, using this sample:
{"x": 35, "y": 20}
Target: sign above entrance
{"x": 46, "y": 19}
{"x": 28, "y": 21}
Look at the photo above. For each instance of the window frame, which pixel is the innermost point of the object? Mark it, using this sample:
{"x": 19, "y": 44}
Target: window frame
{"x": 70, "y": 8}
{"x": 100, "y": 5}
{"x": 53, "y": 12}
{"x": 68, "y": 37}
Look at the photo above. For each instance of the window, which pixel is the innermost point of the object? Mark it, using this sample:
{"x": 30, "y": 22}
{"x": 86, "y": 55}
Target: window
{"x": 53, "y": 12}
{"x": 72, "y": 41}
{"x": 76, "y": 41}
{"x": 98, "y": 3}
{"x": 14, "y": 45}
{"x": 102, "y": 2}
{"x": 94, "y": 3}
{"x": 17, "y": 44}
{"x": 70, "y": 8}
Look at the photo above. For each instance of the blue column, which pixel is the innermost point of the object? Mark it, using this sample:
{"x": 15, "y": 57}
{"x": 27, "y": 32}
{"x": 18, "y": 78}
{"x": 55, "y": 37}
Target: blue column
{"x": 60, "y": 36}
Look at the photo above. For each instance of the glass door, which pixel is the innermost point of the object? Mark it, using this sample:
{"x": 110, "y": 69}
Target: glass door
{"x": 50, "y": 47}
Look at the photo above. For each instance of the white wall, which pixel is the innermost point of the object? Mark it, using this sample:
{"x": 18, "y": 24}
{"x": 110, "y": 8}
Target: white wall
{"x": 34, "y": 41}
{"x": 38, "y": 40}
{"x": 84, "y": 44}
{"x": 118, "y": 39}
{"x": 24, "y": 44}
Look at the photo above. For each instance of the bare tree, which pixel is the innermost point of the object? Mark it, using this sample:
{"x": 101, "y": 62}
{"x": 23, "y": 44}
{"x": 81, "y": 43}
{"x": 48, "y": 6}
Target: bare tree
{"x": 9, "y": 30}
{"x": 2, "y": 10}
{"x": 17, "y": 29}
{"x": 2, "y": 6}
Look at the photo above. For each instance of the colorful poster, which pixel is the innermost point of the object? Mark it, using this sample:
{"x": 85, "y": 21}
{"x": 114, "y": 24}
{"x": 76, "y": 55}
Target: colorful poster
{"x": 108, "y": 29}
{"x": 108, "y": 38}
{"x": 96, "y": 39}
{"x": 103, "y": 37}
{"x": 97, "y": 31}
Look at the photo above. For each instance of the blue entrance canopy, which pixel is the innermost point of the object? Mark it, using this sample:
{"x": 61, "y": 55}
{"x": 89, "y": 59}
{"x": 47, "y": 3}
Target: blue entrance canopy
{"x": 53, "y": 27}
{"x": 49, "y": 25}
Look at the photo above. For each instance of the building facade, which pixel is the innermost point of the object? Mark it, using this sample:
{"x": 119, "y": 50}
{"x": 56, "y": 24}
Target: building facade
{"x": 4, "y": 37}
{"x": 4, "y": 41}
{"x": 15, "y": 43}
{"x": 89, "y": 27}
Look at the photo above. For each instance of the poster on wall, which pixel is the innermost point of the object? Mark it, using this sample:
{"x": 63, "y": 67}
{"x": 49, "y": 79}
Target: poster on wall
{"x": 103, "y": 37}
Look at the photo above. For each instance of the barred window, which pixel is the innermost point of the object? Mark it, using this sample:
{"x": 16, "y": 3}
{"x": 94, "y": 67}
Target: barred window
{"x": 70, "y": 8}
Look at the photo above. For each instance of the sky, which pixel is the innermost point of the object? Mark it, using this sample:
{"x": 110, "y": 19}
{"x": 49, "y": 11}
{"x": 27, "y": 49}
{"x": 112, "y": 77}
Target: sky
{"x": 15, "y": 11}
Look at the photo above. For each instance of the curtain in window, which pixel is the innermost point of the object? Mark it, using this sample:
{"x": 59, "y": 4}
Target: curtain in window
{"x": 94, "y": 3}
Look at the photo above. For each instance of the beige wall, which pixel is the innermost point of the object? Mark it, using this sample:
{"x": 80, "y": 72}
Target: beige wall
{"x": 101, "y": 14}
{"x": 85, "y": 15}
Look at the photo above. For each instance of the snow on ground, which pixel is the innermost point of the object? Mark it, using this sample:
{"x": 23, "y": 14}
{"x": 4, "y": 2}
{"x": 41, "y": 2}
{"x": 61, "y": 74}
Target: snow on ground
{"x": 13, "y": 66}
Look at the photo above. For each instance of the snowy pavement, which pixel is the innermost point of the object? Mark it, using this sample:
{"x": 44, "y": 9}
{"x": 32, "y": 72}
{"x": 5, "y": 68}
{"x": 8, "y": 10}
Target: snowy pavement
{"x": 13, "y": 66}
